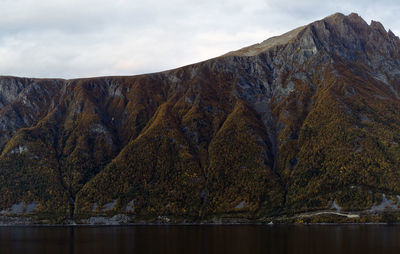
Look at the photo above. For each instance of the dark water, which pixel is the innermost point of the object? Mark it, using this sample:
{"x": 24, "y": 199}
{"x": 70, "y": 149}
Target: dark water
{"x": 202, "y": 239}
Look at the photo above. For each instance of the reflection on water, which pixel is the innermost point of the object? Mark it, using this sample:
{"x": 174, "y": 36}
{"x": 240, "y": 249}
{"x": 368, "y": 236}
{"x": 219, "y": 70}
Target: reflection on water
{"x": 202, "y": 239}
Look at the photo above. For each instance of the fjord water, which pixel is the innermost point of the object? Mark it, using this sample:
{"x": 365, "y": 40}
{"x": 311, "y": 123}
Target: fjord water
{"x": 202, "y": 239}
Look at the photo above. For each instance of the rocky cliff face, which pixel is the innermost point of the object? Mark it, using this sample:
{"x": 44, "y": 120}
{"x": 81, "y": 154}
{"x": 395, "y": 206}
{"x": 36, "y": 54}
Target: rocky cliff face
{"x": 293, "y": 124}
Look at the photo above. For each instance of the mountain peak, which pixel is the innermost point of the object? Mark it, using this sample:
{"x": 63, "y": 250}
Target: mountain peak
{"x": 338, "y": 18}
{"x": 377, "y": 26}
{"x": 335, "y": 20}
{"x": 337, "y": 33}
{"x": 354, "y": 16}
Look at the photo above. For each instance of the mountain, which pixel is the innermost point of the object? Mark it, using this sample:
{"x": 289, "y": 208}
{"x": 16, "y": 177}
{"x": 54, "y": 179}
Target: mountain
{"x": 301, "y": 127}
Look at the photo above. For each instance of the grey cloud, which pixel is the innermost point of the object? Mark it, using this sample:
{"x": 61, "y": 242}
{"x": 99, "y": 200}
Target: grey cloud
{"x": 75, "y": 38}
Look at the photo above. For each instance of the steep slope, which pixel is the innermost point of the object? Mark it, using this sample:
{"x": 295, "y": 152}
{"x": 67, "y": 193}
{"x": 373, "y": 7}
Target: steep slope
{"x": 294, "y": 124}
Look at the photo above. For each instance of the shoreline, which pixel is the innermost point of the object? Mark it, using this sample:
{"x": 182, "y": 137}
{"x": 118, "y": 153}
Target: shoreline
{"x": 318, "y": 217}
{"x": 203, "y": 224}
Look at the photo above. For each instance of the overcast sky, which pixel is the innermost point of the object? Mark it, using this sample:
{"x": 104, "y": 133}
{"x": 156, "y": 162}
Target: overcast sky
{"x": 83, "y": 38}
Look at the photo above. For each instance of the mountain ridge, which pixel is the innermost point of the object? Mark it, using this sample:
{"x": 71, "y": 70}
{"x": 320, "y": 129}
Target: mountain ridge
{"x": 297, "y": 127}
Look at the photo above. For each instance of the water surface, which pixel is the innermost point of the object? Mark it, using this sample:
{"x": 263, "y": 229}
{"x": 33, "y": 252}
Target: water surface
{"x": 203, "y": 239}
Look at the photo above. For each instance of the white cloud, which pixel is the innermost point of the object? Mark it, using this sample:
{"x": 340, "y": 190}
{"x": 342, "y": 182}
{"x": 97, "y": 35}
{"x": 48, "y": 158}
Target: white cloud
{"x": 80, "y": 38}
